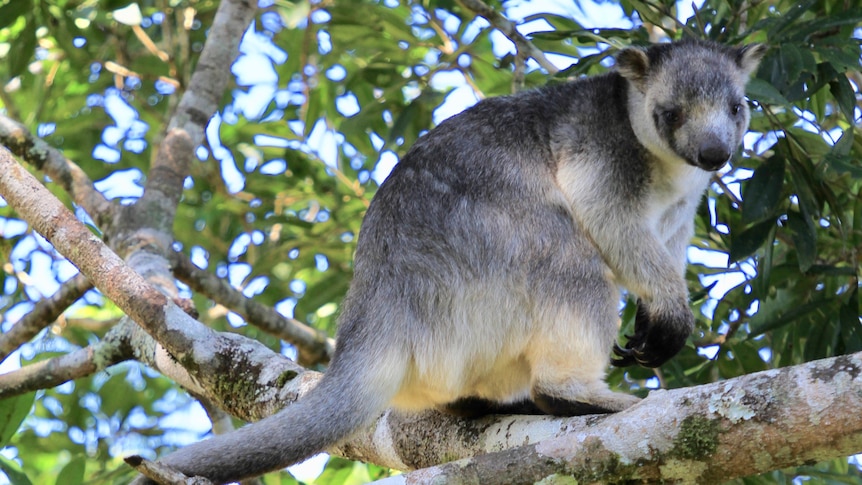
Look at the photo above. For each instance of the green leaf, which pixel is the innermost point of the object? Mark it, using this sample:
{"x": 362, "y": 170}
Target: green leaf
{"x": 844, "y": 144}
{"x": 12, "y": 413}
{"x": 762, "y": 193}
{"x": 843, "y": 164}
{"x": 764, "y": 92}
{"x": 844, "y": 57}
{"x": 805, "y": 30}
{"x": 851, "y": 328}
{"x": 13, "y": 472}
{"x": 804, "y": 238}
{"x": 10, "y": 12}
{"x": 779, "y": 310}
{"x": 791, "y": 62}
{"x": 787, "y": 18}
{"x": 844, "y": 95}
{"x": 73, "y": 472}
{"x": 821, "y": 338}
{"x": 22, "y": 49}
{"x": 745, "y": 244}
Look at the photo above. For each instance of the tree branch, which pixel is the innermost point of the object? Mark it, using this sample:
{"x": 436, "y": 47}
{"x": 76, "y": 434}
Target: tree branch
{"x": 48, "y": 159}
{"x": 200, "y": 101}
{"x": 58, "y": 370}
{"x": 313, "y": 345}
{"x": 43, "y": 314}
{"x": 504, "y": 25}
{"x": 705, "y": 434}
{"x": 145, "y": 232}
{"x": 218, "y": 361}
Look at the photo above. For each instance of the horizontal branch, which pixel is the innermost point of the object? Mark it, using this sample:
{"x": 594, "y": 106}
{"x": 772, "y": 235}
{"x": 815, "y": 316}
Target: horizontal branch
{"x": 43, "y": 314}
{"x": 59, "y": 370}
{"x": 313, "y": 345}
{"x": 704, "y": 434}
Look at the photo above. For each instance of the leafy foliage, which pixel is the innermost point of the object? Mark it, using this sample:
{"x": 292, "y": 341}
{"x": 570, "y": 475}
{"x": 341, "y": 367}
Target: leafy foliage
{"x": 328, "y": 95}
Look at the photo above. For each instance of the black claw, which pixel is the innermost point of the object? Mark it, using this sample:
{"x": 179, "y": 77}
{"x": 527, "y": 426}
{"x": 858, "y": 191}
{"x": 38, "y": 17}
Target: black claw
{"x": 656, "y": 338}
{"x": 626, "y": 357}
{"x": 624, "y": 362}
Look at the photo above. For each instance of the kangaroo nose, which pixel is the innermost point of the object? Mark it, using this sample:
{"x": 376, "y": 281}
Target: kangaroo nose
{"x": 712, "y": 154}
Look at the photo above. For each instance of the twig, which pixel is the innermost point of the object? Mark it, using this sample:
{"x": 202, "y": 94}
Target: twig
{"x": 162, "y": 474}
{"x": 43, "y": 314}
{"x": 476, "y": 91}
{"x": 313, "y": 345}
{"x": 448, "y": 47}
{"x": 9, "y": 103}
{"x": 520, "y": 71}
{"x": 730, "y": 195}
{"x": 504, "y": 25}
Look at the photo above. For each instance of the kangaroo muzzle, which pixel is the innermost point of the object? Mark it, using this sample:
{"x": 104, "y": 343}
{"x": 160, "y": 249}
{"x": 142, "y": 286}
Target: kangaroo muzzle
{"x": 712, "y": 154}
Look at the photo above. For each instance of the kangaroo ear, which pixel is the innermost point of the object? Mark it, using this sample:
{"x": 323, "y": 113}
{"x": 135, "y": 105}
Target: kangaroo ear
{"x": 633, "y": 64}
{"x": 748, "y": 57}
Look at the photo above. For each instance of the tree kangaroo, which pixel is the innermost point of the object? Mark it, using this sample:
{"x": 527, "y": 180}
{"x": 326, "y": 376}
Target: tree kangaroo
{"x": 489, "y": 263}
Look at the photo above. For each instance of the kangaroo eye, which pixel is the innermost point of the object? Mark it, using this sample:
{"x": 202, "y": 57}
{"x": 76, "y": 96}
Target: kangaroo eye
{"x": 673, "y": 117}
{"x": 736, "y": 109}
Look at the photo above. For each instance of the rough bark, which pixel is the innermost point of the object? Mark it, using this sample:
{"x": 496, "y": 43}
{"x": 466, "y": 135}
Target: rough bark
{"x": 705, "y": 434}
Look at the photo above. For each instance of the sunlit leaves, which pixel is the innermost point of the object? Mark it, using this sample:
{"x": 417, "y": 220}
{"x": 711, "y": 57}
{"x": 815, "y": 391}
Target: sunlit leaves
{"x": 73, "y": 472}
{"x": 12, "y": 413}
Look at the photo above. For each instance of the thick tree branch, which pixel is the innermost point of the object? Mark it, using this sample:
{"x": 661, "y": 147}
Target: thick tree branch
{"x": 705, "y": 434}
{"x": 145, "y": 232}
{"x": 504, "y": 25}
{"x": 43, "y": 314}
{"x": 313, "y": 345}
{"x": 218, "y": 361}
{"x": 48, "y": 159}
{"x": 199, "y": 102}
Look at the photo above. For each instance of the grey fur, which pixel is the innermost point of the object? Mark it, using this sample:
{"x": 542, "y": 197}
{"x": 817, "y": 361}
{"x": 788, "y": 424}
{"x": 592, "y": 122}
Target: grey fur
{"x": 488, "y": 265}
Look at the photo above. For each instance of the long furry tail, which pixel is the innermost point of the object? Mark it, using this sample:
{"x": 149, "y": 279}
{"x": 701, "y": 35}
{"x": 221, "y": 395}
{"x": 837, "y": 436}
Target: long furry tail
{"x": 345, "y": 400}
